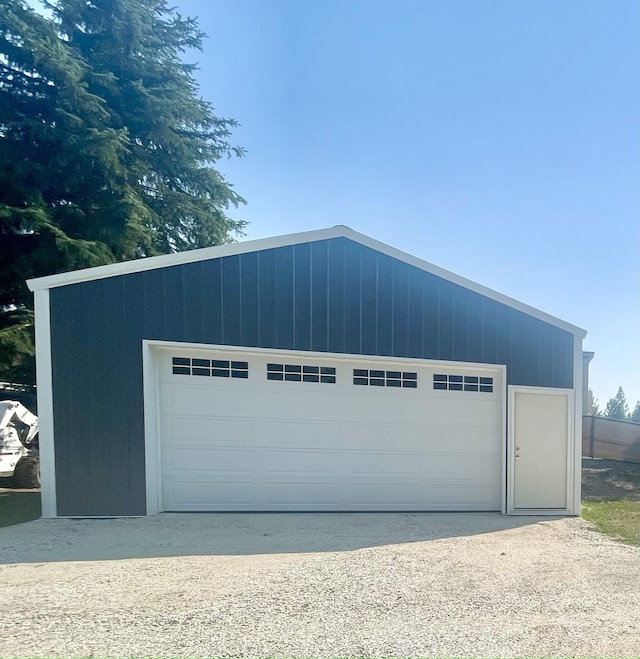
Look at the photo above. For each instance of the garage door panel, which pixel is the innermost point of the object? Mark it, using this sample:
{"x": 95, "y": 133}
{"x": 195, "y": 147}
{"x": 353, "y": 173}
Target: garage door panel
{"x": 381, "y": 495}
{"x": 433, "y": 438}
{"x": 384, "y": 436}
{"x": 451, "y": 465}
{"x": 191, "y": 400}
{"x": 312, "y": 495}
{"x": 385, "y": 464}
{"x": 467, "y": 412}
{"x": 376, "y": 405}
{"x": 283, "y": 403}
{"x": 283, "y": 433}
{"x": 189, "y": 495}
{"x": 188, "y": 459}
{"x": 309, "y": 462}
{"x": 461, "y": 439}
{"x": 198, "y": 430}
{"x": 475, "y": 495}
{"x": 259, "y": 444}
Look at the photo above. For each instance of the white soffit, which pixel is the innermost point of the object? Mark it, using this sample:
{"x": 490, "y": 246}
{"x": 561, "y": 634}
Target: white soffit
{"x": 230, "y": 249}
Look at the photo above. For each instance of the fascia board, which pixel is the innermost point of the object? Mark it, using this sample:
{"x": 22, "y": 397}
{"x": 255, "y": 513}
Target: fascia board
{"x": 231, "y": 249}
{"x": 180, "y": 258}
{"x": 461, "y": 281}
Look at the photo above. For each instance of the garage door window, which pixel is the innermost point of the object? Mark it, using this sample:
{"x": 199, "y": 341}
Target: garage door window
{"x": 217, "y": 368}
{"x": 462, "y": 383}
{"x": 376, "y": 378}
{"x": 301, "y": 373}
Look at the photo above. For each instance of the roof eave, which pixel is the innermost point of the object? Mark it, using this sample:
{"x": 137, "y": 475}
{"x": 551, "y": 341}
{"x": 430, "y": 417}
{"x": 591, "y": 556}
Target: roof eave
{"x": 179, "y": 258}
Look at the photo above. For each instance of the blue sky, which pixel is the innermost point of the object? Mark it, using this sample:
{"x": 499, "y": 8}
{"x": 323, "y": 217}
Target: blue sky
{"x": 499, "y": 140}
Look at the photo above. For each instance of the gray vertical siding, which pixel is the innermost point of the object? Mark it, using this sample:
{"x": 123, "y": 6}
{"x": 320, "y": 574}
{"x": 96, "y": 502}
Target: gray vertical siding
{"x": 327, "y": 296}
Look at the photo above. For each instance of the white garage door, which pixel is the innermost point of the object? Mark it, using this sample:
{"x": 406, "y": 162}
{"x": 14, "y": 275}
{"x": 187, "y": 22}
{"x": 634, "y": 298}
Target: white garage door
{"x": 284, "y": 431}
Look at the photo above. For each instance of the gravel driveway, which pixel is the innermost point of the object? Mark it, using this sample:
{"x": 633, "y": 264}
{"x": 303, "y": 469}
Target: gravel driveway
{"x": 317, "y": 585}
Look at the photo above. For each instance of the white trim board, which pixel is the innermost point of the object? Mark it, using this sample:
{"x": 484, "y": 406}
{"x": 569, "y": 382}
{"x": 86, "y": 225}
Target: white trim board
{"x": 340, "y": 231}
{"x": 575, "y": 439}
{"x": 45, "y": 404}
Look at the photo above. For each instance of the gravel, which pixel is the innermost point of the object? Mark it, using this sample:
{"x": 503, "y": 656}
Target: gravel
{"x": 318, "y": 585}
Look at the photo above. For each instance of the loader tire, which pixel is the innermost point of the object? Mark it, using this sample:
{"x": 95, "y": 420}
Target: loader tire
{"x": 27, "y": 473}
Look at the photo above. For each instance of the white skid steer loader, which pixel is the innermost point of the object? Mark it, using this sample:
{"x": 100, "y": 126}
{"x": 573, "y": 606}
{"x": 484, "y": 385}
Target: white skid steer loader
{"x": 19, "y": 450}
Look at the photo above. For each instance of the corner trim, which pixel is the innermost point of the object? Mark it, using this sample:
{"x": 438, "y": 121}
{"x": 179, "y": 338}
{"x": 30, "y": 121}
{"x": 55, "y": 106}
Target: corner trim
{"x": 575, "y": 457}
{"x": 45, "y": 403}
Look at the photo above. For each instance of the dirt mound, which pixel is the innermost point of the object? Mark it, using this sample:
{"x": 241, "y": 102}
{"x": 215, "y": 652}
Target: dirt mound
{"x": 610, "y": 480}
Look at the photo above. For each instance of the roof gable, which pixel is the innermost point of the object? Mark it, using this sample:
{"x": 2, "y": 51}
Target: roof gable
{"x": 340, "y": 231}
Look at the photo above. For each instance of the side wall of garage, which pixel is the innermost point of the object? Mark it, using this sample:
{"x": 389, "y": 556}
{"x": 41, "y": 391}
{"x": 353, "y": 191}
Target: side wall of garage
{"x": 326, "y": 296}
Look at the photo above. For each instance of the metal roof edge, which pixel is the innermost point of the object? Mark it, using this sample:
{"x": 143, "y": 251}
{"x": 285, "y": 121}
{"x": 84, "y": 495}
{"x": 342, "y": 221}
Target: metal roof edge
{"x": 180, "y": 258}
{"x": 462, "y": 281}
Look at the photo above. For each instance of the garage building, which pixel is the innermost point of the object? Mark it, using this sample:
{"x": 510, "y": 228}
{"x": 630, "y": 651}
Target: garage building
{"x": 320, "y": 371}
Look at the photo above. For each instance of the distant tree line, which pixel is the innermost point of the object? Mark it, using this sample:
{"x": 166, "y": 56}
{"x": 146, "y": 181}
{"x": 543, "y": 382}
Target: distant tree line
{"x": 616, "y": 408}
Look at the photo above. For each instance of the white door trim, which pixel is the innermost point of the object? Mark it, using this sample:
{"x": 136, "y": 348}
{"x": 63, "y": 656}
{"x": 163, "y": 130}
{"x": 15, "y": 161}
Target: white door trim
{"x": 151, "y": 388}
{"x": 570, "y": 457}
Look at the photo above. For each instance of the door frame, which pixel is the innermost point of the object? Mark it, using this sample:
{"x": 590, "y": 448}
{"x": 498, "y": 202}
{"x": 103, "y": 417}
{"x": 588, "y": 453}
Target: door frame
{"x": 152, "y": 349}
{"x": 573, "y": 454}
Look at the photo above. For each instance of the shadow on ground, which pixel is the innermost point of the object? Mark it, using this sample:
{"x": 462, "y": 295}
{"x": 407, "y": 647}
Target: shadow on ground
{"x": 211, "y": 534}
{"x": 217, "y": 534}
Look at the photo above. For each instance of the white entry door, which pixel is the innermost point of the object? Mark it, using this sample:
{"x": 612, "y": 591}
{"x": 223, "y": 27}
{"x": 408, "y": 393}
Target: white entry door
{"x": 264, "y": 431}
{"x": 540, "y": 424}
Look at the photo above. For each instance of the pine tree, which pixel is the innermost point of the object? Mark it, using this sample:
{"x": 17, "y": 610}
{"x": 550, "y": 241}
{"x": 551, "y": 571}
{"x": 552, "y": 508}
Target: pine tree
{"x": 635, "y": 415}
{"x": 617, "y": 407}
{"x": 106, "y": 149}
